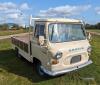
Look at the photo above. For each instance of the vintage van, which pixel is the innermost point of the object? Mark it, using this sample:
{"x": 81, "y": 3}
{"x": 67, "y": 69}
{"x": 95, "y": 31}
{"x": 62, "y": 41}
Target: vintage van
{"x": 56, "y": 46}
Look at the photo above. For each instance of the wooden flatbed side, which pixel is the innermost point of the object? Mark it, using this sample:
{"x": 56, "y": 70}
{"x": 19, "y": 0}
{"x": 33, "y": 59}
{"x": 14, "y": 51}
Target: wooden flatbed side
{"x": 21, "y": 42}
{"x": 24, "y": 39}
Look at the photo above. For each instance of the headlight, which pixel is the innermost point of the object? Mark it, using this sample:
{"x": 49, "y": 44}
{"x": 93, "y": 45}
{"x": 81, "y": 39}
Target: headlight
{"x": 89, "y": 49}
{"x": 58, "y": 55}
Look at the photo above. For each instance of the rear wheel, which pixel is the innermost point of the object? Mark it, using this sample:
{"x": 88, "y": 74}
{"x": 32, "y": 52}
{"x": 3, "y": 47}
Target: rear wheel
{"x": 17, "y": 52}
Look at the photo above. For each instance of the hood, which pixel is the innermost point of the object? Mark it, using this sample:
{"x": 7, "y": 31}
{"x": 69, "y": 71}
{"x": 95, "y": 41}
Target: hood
{"x": 70, "y": 47}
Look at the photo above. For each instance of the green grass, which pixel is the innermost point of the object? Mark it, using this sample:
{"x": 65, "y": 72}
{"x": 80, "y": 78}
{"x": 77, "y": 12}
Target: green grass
{"x": 15, "y": 71}
{"x": 10, "y": 32}
{"x": 94, "y": 30}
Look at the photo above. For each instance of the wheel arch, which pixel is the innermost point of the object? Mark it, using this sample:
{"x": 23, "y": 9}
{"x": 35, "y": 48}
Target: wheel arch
{"x": 36, "y": 60}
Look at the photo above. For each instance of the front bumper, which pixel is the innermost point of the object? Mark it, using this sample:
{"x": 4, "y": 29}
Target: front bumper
{"x": 52, "y": 73}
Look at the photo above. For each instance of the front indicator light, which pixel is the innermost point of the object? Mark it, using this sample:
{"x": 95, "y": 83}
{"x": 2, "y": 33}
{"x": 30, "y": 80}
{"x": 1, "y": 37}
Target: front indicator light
{"x": 54, "y": 61}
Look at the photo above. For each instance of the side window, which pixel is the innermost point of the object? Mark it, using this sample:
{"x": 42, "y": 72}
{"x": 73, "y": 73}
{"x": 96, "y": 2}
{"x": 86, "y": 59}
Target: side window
{"x": 39, "y": 30}
{"x": 36, "y": 29}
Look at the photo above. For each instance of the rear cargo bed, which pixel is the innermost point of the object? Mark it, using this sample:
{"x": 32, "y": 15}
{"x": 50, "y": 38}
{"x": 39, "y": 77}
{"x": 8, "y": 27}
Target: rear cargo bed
{"x": 21, "y": 42}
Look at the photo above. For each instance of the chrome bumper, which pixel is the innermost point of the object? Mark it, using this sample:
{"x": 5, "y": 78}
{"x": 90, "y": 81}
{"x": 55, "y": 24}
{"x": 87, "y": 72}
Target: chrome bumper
{"x": 52, "y": 73}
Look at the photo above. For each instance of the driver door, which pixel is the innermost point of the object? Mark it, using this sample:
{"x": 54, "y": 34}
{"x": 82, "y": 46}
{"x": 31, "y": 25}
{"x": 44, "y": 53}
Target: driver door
{"x": 39, "y": 51}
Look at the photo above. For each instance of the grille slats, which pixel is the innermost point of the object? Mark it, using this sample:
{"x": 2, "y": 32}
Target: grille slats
{"x": 75, "y": 59}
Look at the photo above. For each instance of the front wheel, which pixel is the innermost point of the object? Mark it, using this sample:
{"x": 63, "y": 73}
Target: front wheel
{"x": 39, "y": 70}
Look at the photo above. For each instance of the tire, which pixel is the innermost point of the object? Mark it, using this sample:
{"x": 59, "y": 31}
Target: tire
{"x": 39, "y": 71}
{"x": 17, "y": 53}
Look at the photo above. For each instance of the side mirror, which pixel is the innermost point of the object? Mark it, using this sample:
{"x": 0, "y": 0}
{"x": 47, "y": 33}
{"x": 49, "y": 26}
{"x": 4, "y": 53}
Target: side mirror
{"x": 41, "y": 40}
{"x": 89, "y": 36}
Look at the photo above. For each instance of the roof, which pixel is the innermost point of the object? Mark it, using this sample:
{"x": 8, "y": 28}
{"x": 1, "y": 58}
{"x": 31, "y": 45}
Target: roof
{"x": 58, "y": 20}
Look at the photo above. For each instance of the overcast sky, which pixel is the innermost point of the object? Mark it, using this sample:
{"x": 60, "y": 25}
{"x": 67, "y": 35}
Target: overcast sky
{"x": 18, "y": 11}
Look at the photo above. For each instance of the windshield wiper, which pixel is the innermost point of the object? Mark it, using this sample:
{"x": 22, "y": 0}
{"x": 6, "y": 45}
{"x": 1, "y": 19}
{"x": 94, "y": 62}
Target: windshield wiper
{"x": 52, "y": 32}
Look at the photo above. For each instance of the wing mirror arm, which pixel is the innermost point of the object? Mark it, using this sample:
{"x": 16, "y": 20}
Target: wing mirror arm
{"x": 89, "y": 36}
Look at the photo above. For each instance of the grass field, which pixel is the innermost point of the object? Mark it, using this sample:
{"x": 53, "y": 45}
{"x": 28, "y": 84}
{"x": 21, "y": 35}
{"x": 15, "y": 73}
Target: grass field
{"x": 15, "y": 71}
{"x": 10, "y": 32}
{"x": 94, "y": 30}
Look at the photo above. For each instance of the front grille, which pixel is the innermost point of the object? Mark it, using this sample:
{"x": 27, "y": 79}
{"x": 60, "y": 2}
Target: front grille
{"x": 75, "y": 59}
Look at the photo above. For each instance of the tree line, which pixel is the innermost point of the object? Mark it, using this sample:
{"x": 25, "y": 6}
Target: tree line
{"x": 10, "y": 26}
{"x": 95, "y": 26}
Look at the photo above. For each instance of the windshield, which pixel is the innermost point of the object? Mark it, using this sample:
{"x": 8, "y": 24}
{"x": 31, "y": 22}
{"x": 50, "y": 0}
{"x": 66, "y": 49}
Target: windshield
{"x": 62, "y": 32}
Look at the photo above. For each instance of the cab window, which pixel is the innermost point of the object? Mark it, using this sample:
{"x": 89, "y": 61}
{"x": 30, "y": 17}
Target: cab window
{"x": 39, "y": 30}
